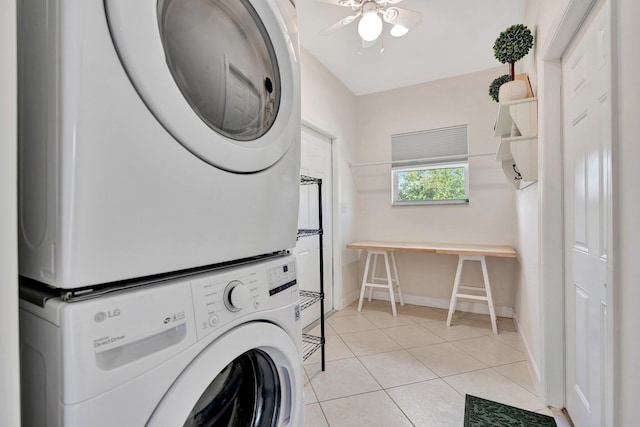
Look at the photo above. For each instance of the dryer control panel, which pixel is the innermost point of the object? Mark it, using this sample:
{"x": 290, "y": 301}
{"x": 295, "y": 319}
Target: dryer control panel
{"x": 220, "y": 298}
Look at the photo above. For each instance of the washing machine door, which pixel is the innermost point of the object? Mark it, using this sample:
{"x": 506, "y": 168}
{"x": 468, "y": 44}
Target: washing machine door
{"x": 221, "y": 76}
{"x": 249, "y": 377}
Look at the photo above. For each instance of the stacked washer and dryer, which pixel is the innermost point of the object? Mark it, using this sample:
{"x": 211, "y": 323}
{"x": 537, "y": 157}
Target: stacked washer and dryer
{"x": 159, "y": 169}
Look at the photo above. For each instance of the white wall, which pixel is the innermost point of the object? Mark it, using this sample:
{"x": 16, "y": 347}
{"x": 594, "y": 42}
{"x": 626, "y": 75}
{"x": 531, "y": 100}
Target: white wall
{"x": 330, "y": 107}
{"x": 547, "y": 14}
{"x": 527, "y": 304}
{"x": 541, "y": 17}
{"x": 489, "y": 218}
{"x": 537, "y": 228}
{"x": 628, "y": 225}
{"x": 9, "y": 365}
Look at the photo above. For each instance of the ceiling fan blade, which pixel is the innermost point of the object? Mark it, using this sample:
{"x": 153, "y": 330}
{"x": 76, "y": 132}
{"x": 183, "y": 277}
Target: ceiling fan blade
{"x": 384, "y": 2}
{"x": 344, "y": 3}
{"x": 399, "y": 16}
{"x": 340, "y": 24}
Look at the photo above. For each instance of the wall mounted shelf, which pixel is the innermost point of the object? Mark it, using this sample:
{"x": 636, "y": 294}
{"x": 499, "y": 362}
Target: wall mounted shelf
{"x": 517, "y": 127}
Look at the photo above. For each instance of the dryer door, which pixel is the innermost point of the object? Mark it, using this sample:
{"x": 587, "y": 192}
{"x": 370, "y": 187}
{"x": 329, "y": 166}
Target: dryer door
{"x": 250, "y": 377}
{"x": 220, "y": 75}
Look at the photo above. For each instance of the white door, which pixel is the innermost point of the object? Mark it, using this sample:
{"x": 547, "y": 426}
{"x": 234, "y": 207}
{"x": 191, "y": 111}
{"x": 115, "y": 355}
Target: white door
{"x": 586, "y": 71}
{"x": 315, "y": 161}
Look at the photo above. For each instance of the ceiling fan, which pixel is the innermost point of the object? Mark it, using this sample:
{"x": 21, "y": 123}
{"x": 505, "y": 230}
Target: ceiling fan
{"x": 371, "y": 13}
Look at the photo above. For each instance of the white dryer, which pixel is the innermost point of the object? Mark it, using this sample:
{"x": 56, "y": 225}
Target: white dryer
{"x": 155, "y": 136}
{"x": 214, "y": 349}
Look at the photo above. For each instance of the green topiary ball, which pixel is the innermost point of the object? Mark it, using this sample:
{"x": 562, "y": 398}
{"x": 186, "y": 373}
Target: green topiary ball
{"x": 513, "y": 44}
{"x": 494, "y": 87}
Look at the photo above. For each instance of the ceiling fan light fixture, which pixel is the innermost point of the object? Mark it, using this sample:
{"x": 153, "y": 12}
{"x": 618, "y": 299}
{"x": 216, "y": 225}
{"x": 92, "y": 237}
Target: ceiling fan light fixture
{"x": 398, "y": 30}
{"x": 370, "y": 26}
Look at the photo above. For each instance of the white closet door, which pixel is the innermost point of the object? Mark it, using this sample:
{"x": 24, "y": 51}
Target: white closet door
{"x": 586, "y": 82}
{"x": 315, "y": 162}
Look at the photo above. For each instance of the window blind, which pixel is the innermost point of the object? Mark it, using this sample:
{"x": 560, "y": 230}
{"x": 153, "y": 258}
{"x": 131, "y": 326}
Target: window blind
{"x": 429, "y": 146}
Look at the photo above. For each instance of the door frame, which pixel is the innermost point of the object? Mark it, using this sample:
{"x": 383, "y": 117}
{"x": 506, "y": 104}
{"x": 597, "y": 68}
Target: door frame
{"x": 9, "y": 341}
{"x": 336, "y": 249}
{"x": 551, "y": 211}
{"x": 317, "y": 147}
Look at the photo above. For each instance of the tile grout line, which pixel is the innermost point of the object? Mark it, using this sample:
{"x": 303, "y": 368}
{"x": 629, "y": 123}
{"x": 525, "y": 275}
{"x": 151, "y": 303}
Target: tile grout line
{"x": 467, "y": 352}
{"x": 522, "y": 387}
{"x": 381, "y": 326}
{"x": 385, "y": 391}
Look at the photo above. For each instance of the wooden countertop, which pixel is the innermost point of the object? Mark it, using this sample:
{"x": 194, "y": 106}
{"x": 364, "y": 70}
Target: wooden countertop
{"x": 504, "y": 251}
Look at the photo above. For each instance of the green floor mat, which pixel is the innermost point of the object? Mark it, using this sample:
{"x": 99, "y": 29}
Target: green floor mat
{"x": 487, "y": 413}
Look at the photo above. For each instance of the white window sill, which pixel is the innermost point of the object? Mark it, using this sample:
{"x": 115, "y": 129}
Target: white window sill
{"x": 431, "y": 202}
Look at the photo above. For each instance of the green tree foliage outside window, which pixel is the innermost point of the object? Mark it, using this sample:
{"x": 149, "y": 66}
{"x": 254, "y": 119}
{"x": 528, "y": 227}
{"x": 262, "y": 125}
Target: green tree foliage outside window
{"x": 431, "y": 184}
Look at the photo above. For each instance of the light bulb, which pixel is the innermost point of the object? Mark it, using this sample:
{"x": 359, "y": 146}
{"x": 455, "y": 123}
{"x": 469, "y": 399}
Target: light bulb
{"x": 370, "y": 26}
{"x": 398, "y": 31}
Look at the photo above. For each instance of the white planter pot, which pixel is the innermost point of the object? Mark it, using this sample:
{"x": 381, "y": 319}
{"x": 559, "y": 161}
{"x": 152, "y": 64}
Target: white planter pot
{"x": 512, "y": 91}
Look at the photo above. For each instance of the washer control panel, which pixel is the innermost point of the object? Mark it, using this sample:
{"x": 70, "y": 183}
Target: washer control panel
{"x": 222, "y": 297}
{"x": 282, "y": 277}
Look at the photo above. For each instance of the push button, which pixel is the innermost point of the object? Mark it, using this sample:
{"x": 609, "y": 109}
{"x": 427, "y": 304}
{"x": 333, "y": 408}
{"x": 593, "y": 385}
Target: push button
{"x": 213, "y": 321}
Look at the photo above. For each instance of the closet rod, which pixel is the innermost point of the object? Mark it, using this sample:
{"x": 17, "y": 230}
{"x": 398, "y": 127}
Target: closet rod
{"x": 427, "y": 159}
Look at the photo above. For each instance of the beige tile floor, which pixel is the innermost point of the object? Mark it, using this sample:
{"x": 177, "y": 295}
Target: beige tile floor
{"x": 412, "y": 370}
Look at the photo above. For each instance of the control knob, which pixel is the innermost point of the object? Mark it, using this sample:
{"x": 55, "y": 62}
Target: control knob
{"x": 237, "y": 296}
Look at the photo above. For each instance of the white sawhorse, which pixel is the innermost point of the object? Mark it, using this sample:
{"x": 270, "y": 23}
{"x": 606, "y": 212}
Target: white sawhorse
{"x": 389, "y": 279}
{"x": 487, "y": 289}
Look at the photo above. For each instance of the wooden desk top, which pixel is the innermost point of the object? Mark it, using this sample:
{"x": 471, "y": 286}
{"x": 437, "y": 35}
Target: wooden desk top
{"x": 437, "y": 248}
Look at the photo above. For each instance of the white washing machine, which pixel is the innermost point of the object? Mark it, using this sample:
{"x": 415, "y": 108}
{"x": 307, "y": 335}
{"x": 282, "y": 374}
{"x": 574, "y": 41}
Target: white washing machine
{"x": 214, "y": 349}
{"x": 155, "y": 136}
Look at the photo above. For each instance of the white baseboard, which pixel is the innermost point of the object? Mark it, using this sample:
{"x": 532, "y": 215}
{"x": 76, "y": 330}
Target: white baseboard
{"x": 348, "y": 299}
{"x": 534, "y": 369}
{"x": 469, "y": 307}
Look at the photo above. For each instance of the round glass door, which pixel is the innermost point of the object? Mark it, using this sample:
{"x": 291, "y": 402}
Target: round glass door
{"x": 221, "y": 77}
{"x": 246, "y": 393}
{"x": 223, "y": 62}
{"x": 250, "y": 376}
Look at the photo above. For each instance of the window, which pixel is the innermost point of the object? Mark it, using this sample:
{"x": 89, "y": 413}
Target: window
{"x": 430, "y": 167}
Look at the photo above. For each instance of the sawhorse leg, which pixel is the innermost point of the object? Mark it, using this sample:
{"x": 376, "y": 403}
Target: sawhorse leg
{"x": 369, "y": 278}
{"x": 487, "y": 290}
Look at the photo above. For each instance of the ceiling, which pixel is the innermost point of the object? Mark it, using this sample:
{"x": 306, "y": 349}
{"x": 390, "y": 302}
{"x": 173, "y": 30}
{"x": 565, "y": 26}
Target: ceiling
{"x": 455, "y": 37}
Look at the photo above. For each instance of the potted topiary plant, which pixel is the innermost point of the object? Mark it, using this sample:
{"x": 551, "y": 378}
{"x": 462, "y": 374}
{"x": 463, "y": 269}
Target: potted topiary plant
{"x": 494, "y": 88}
{"x": 511, "y": 46}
